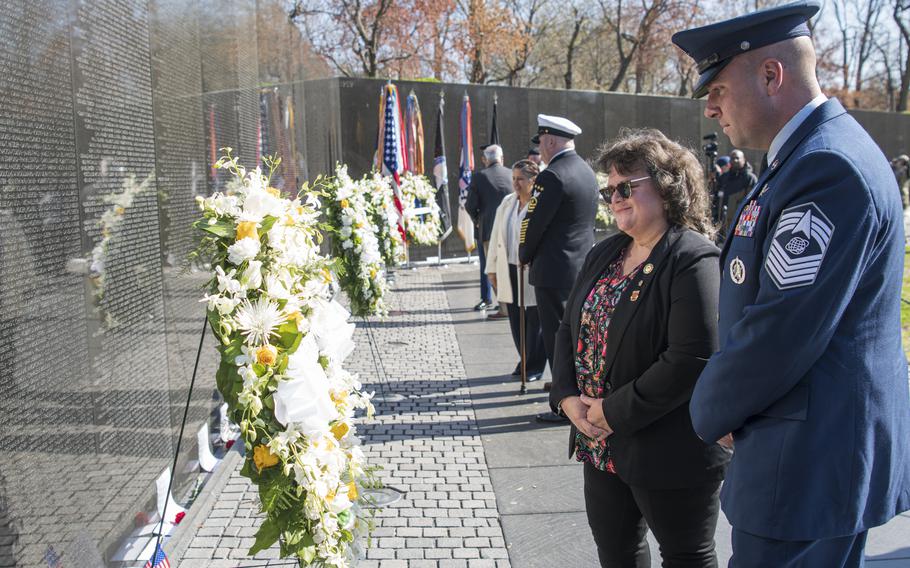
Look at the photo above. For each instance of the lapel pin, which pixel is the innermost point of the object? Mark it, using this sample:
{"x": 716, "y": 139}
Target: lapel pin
{"x": 634, "y": 296}
{"x": 648, "y": 268}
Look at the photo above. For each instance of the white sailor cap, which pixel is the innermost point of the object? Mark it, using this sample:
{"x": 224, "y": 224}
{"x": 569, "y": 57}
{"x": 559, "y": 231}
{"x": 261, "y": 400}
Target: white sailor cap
{"x": 555, "y": 125}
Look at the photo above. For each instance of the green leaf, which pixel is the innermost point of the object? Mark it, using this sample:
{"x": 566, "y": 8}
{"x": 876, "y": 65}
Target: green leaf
{"x": 271, "y": 488}
{"x": 227, "y": 381}
{"x": 307, "y": 552}
{"x": 249, "y": 469}
{"x": 266, "y": 536}
{"x": 222, "y": 229}
{"x": 289, "y": 337}
{"x": 266, "y": 225}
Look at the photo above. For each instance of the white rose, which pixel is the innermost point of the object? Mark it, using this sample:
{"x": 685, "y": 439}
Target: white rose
{"x": 244, "y": 249}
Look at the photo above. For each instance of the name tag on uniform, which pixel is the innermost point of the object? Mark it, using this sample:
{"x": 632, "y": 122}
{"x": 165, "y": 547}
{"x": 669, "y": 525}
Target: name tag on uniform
{"x": 745, "y": 227}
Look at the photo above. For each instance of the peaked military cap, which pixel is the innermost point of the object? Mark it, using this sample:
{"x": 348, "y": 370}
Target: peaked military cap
{"x": 715, "y": 45}
{"x": 555, "y": 125}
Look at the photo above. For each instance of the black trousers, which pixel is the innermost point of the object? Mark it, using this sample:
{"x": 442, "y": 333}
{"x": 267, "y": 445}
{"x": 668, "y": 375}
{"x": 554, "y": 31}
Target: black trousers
{"x": 551, "y": 303}
{"x": 682, "y": 520}
{"x": 486, "y": 287}
{"x": 536, "y": 354}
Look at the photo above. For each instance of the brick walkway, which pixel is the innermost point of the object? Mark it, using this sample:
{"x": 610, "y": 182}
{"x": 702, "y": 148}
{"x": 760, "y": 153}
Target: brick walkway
{"x": 425, "y": 436}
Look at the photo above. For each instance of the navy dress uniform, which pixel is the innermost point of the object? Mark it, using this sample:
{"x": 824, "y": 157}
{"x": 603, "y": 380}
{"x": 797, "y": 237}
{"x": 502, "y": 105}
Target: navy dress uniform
{"x": 810, "y": 376}
{"x": 558, "y": 231}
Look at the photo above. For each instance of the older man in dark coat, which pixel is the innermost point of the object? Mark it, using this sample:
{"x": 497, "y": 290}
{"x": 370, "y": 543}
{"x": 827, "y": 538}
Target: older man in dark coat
{"x": 485, "y": 193}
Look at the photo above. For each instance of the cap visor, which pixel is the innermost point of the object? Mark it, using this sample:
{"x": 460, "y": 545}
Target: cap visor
{"x": 704, "y": 80}
{"x": 535, "y": 139}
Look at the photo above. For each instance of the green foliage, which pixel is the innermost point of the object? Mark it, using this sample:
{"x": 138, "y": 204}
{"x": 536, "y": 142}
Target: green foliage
{"x": 222, "y": 229}
{"x": 266, "y": 536}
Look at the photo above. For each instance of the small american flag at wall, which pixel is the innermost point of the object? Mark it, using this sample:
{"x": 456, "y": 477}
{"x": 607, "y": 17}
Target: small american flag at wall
{"x": 159, "y": 560}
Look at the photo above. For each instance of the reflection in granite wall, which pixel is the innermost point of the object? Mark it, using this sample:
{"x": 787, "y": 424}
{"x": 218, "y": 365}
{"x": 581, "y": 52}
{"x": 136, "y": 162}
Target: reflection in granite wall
{"x": 176, "y": 71}
{"x": 112, "y": 112}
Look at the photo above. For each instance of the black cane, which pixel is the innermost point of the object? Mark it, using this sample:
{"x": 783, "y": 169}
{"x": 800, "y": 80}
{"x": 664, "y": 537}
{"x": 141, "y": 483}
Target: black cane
{"x": 521, "y": 327}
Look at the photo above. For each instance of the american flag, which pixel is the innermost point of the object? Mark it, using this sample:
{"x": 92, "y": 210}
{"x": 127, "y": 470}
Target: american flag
{"x": 159, "y": 560}
{"x": 465, "y": 169}
{"x": 393, "y": 158}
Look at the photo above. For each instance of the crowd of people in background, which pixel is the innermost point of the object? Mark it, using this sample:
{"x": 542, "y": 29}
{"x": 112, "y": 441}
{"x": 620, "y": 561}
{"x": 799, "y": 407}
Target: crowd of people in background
{"x": 773, "y": 364}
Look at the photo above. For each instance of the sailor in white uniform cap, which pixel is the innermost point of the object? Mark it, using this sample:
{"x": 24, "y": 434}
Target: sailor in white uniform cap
{"x": 558, "y": 230}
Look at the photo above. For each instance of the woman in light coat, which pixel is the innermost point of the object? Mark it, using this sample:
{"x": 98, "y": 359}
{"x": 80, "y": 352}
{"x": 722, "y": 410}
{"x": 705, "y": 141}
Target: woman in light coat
{"x": 502, "y": 268}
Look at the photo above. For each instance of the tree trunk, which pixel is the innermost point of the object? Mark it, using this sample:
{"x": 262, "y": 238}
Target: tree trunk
{"x": 905, "y": 70}
{"x": 570, "y": 50}
{"x": 905, "y": 84}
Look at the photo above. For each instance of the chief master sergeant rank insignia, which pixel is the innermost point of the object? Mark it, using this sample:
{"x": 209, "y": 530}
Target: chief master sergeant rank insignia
{"x": 800, "y": 241}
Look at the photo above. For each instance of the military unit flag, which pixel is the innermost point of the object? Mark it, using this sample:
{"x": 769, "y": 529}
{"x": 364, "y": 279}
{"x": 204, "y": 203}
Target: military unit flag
{"x": 441, "y": 173}
{"x": 413, "y": 131}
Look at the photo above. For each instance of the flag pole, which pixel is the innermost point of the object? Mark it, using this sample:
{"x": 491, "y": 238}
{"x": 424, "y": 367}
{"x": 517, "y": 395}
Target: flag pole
{"x": 521, "y": 327}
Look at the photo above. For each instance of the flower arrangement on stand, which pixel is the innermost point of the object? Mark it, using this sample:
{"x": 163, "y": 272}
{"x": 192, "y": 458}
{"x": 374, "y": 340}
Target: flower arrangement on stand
{"x": 354, "y": 243}
{"x": 421, "y": 210}
{"x": 378, "y": 191}
{"x": 282, "y": 340}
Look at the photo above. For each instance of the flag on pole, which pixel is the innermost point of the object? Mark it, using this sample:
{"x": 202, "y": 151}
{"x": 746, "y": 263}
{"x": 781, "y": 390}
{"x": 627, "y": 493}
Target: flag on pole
{"x": 441, "y": 173}
{"x": 465, "y": 169}
{"x": 494, "y": 131}
{"x": 390, "y": 155}
{"x": 159, "y": 560}
{"x": 414, "y": 135}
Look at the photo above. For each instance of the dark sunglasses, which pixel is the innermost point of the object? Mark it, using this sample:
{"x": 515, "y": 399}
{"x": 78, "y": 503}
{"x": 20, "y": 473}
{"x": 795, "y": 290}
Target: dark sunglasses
{"x": 624, "y": 188}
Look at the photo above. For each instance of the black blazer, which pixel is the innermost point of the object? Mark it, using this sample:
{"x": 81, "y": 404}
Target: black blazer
{"x": 662, "y": 333}
{"x": 559, "y": 228}
{"x": 488, "y": 187}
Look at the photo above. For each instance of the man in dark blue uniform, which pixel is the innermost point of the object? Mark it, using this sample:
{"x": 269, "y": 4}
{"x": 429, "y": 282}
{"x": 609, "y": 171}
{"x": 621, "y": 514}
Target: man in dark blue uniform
{"x": 810, "y": 378}
{"x": 558, "y": 230}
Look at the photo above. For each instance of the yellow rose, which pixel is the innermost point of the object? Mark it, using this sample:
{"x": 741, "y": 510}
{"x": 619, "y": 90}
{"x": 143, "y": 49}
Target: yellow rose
{"x": 263, "y": 457}
{"x": 373, "y": 273}
{"x": 344, "y": 204}
{"x": 299, "y": 209}
{"x": 352, "y": 491}
{"x": 266, "y": 355}
{"x": 338, "y": 397}
{"x": 340, "y": 430}
{"x": 295, "y": 317}
{"x": 330, "y": 496}
{"x": 273, "y": 191}
{"x": 247, "y": 229}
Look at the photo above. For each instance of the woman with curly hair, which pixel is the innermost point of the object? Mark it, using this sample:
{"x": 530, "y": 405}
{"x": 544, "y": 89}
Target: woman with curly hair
{"x": 639, "y": 326}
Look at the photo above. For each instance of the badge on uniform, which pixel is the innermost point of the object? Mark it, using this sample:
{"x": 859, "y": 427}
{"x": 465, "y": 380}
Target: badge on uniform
{"x": 798, "y": 248}
{"x": 745, "y": 227}
{"x": 737, "y": 271}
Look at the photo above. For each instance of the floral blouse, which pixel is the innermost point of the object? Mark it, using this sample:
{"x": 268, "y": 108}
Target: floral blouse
{"x": 591, "y": 352}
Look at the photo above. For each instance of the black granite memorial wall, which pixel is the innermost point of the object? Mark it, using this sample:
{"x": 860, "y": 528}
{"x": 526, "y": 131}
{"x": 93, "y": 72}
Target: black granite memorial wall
{"x": 112, "y": 113}
{"x": 342, "y": 122}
